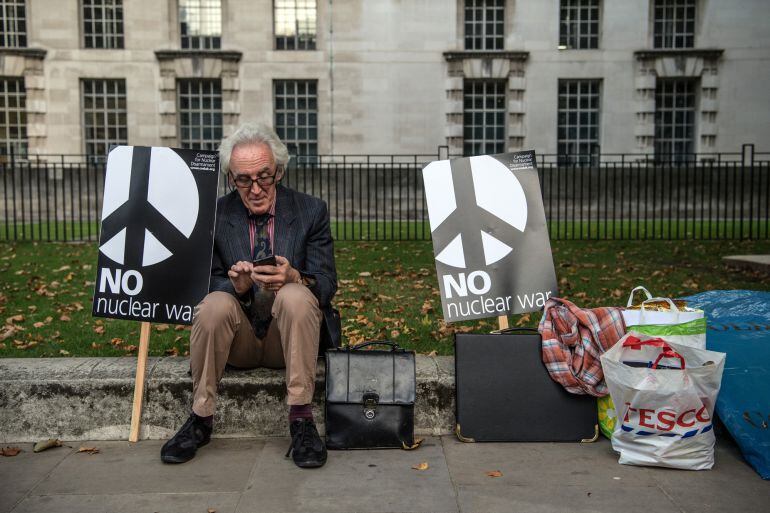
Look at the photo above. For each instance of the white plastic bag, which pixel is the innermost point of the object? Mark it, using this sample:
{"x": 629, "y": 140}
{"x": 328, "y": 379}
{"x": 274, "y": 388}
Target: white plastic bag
{"x": 686, "y": 326}
{"x": 664, "y": 395}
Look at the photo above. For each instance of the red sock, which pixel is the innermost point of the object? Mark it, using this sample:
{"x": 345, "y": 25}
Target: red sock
{"x": 303, "y": 411}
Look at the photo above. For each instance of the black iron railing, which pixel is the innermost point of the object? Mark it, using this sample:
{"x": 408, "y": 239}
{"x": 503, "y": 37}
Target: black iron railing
{"x": 380, "y": 197}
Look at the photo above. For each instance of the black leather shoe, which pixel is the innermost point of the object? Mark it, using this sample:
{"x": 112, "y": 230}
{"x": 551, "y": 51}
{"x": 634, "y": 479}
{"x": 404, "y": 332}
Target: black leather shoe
{"x": 193, "y": 434}
{"x": 307, "y": 449}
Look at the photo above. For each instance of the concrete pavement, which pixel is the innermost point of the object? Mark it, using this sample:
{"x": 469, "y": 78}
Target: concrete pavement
{"x": 251, "y": 475}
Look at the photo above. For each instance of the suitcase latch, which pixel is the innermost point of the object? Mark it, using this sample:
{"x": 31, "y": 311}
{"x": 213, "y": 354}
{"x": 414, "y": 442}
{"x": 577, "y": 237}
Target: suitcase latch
{"x": 370, "y": 404}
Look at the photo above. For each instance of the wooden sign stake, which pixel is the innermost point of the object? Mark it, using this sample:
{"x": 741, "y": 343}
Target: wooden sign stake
{"x": 141, "y": 364}
{"x": 502, "y": 322}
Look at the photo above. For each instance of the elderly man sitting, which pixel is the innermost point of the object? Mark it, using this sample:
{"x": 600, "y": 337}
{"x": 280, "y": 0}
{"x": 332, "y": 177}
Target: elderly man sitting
{"x": 262, "y": 315}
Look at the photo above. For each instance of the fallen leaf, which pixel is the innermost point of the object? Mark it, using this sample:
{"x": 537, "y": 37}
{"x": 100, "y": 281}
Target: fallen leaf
{"x": 39, "y": 324}
{"x": 524, "y": 319}
{"x": 94, "y": 345}
{"x": 395, "y": 334}
{"x": 422, "y": 466}
{"x": 32, "y": 308}
{"x": 495, "y": 473}
{"x": 365, "y": 274}
{"x": 64, "y": 352}
{"x": 432, "y": 353}
{"x": 179, "y": 327}
{"x": 415, "y": 445}
{"x": 62, "y": 268}
{"x": 89, "y": 450}
{"x": 10, "y": 451}
{"x": 65, "y": 318}
{"x": 211, "y": 510}
{"x": 161, "y": 327}
{"x": 130, "y": 349}
{"x": 44, "y": 445}
{"x": 116, "y": 341}
{"x": 99, "y": 330}
{"x": 14, "y": 318}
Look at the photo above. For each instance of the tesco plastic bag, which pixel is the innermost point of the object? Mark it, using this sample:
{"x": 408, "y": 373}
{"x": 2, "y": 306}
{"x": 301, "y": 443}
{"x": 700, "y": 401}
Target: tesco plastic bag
{"x": 681, "y": 325}
{"x": 664, "y": 395}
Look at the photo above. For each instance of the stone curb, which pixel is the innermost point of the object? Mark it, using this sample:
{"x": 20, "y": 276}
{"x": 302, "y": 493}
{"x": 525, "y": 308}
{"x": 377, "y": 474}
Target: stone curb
{"x": 91, "y": 398}
{"x": 749, "y": 262}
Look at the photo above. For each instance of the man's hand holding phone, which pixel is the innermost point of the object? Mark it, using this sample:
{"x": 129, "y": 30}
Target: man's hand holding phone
{"x": 273, "y": 272}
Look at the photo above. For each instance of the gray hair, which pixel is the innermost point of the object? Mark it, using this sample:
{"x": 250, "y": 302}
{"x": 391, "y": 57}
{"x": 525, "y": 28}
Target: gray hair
{"x": 253, "y": 133}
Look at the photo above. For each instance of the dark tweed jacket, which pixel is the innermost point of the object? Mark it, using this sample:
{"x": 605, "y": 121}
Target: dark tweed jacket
{"x": 301, "y": 234}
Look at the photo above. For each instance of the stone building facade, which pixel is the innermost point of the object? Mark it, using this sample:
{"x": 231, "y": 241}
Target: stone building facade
{"x": 387, "y": 76}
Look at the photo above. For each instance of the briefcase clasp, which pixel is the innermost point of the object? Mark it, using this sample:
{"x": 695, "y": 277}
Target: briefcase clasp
{"x": 371, "y": 400}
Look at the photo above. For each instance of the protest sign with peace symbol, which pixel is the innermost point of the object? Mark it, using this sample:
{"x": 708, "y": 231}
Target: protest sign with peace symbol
{"x": 157, "y": 233}
{"x": 490, "y": 239}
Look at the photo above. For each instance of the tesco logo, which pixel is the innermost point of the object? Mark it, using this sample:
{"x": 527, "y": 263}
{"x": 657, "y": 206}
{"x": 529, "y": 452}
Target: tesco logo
{"x": 665, "y": 420}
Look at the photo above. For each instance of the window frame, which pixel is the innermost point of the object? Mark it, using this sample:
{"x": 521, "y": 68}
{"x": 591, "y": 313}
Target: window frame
{"x": 566, "y": 37}
{"x": 484, "y": 145}
{"x": 297, "y": 142}
{"x": 11, "y": 38}
{"x": 17, "y": 146}
{"x": 216, "y": 138}
{"x": 566, "y": 146}
{"x": 104, "y": 113}
{"x": 488, "y": 42}
{"x": 117, "y": 36}
{"x": 672, "y": 154}
{"x": 204, "y": 42}
{"x": 665, "y": 40}
{"x": 310, "y": 45}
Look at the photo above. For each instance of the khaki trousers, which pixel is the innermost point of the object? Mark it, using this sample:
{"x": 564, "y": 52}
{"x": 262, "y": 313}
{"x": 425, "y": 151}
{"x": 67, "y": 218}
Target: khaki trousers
{"x": 221, "y": 334}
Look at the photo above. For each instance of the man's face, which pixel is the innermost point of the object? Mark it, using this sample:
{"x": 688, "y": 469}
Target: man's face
{"x": 254, "y": 161}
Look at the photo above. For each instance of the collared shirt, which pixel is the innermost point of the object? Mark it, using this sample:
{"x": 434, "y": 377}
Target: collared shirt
{"x": 270, "y": 227}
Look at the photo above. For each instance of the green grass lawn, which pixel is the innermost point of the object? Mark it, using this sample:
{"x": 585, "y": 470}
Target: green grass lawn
{"x": 387, "y": 290}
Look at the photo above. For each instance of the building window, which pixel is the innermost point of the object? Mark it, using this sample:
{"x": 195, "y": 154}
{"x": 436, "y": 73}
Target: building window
{"x": 13, "y": 117}
{"x": 104, "y": 115}
{"x": 200, "y": 113}
{"x": 674, "y": 24}
{"x": 578, "y": 119}
{"x": 296, "y": 115}
{"x": 674, "y": 118}
{"x": 14, "y": 24}
{"x": 200, "y": 24}
{"x": 484, "y": 24}
{"x": 295, "y": 24}
{"x": 579, "y": 24}
{"x": 483, "y": 117}
{"x": 103, "y": 23}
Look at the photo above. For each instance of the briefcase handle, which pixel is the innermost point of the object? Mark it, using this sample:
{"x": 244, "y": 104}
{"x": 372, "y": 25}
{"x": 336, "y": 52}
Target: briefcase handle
{"x": 393, "y": 346}
{"x": 514, "y": 330}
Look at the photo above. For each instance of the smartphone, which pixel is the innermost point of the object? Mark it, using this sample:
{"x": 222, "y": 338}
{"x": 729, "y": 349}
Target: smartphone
{"x": 268, "y": 260}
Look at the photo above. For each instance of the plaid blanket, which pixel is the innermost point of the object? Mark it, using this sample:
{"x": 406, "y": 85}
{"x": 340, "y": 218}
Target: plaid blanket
{"x": 573, "y": 340}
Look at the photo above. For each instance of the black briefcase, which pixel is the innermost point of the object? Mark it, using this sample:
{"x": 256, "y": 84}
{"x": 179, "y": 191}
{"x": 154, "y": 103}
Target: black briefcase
{"x": 505, "y": 394}
{"x": 370, "y": 397}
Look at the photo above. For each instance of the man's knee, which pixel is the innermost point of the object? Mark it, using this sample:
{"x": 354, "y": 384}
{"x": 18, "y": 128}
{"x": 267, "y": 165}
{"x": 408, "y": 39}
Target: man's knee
{"x": 294, "y": 299}
{"x": 216, "y": 308}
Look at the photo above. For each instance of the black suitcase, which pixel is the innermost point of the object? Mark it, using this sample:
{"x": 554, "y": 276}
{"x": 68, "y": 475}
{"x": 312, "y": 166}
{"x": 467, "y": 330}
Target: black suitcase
{"x": 505, "y": 394}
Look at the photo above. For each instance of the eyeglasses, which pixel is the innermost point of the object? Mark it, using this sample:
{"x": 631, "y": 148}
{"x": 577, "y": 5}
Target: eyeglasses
{"x": 246, "y": 182}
